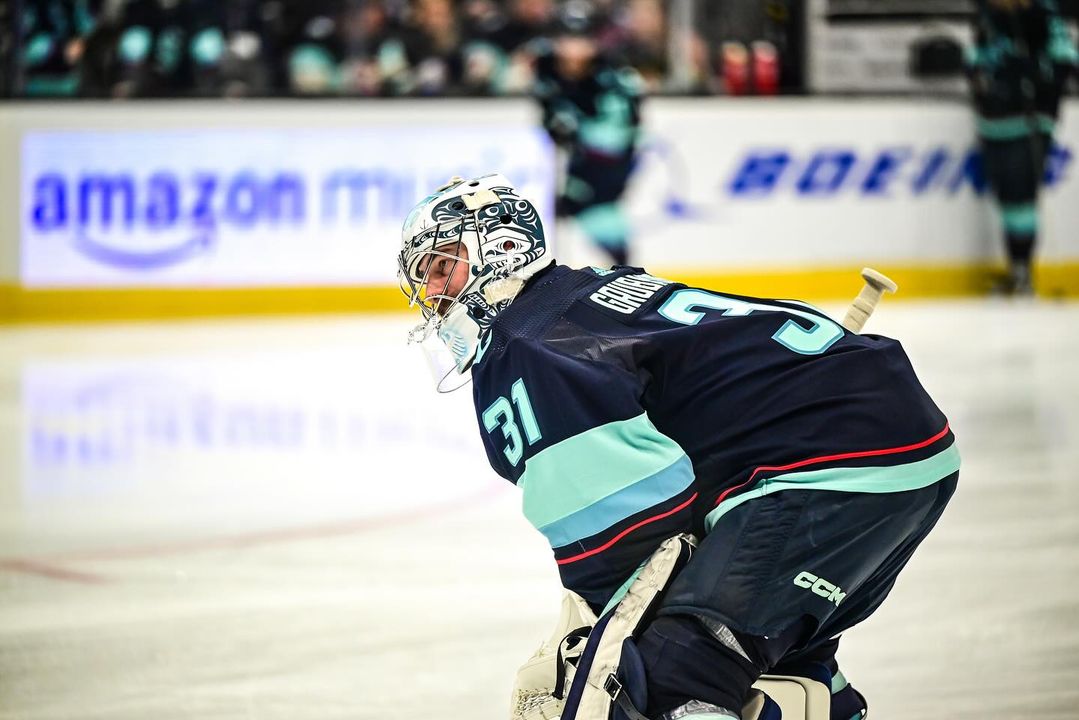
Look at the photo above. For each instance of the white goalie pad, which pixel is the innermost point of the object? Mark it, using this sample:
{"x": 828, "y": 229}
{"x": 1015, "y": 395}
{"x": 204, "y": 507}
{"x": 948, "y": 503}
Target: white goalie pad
{"x": 549, "y": 679}
{"x": 535, "y": 695}
{"x": 542, "y": 683}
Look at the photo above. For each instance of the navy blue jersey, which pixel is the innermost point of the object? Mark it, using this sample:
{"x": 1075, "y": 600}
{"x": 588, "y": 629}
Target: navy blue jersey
{"x": 629, "y": 408}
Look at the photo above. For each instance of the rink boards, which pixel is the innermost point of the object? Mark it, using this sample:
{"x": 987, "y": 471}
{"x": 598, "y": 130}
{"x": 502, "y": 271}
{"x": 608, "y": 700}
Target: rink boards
{"x": 208, "y": 208}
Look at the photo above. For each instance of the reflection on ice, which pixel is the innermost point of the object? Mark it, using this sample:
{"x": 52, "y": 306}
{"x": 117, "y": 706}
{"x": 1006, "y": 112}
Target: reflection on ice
{"x": 224, "y": 436}
{"x": 105, "y": 415}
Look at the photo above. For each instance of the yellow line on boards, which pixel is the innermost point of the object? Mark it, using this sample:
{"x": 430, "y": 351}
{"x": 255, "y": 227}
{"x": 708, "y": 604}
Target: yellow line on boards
{"x": 1058, "y": 280}
{"x": 19, "y": 304}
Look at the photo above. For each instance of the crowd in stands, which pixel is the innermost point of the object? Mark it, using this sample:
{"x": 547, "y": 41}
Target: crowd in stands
{"x": 258, "y": 48}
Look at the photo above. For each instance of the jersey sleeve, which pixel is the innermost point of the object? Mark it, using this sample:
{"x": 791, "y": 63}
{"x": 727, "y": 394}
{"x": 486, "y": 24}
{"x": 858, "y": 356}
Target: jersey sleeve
{"x": 598, "y": 480}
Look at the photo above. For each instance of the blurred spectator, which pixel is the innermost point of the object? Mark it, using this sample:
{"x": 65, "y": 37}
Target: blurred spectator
{"x": 432, "y": 44}
{"x": 236, "y": 48}
{"x": 168, "y": 48}
{"x": 484, "y": 17}
{"x": 8, "y": 40}
{"x": 52, "y": 41}
{"x": 645, "y": 43}
{"x": 244, "y": 65}
{"x": 526, "y": 21}
{"x": 487, "y": 66}
{"x": 370, "y": 54}
{"x": 98, "y": 68}
{"x": 307, "y": 33}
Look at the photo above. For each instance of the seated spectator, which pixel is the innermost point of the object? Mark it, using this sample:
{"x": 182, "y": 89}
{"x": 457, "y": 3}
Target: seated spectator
{"x": 52, "y": 42}
{"x": 366, "y": 37}
{"x": 485, "y": 63}
{"x": 312, "y": 70}
{"x": 431, "y": 44}
{"x": 528, "y": 22}
{"x": 161, "y": 49}
{"x": 245, "y": 66}
{"x": 644, "y": 45}
{"x": 240, "y": 48}
{"x": 308, "y": 36}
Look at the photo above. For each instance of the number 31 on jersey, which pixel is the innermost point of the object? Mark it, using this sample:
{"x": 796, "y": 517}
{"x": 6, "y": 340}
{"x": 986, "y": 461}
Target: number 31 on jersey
{"x": 500, "y": 414}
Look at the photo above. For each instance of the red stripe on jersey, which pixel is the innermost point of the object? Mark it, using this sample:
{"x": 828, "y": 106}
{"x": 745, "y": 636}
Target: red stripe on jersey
{"x": 627, "y": 531}
{"x": 828, "y": 458}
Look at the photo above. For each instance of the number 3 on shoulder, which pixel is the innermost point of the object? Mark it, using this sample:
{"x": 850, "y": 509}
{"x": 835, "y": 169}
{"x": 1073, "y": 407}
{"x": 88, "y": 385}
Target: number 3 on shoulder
{"x": 687, "y": 306}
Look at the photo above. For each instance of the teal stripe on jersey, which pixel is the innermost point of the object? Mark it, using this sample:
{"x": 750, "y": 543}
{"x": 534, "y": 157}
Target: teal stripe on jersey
{"x": 1014, "y": 128}
{"x": 839, "y": 681}
{"x": 629, "y": 501}
{"x": 580, "y": 471}
{"x": 893, "y": 478}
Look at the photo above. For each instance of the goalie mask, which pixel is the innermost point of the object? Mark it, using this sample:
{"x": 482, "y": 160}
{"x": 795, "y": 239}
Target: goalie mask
{"x": 466, "y": 251}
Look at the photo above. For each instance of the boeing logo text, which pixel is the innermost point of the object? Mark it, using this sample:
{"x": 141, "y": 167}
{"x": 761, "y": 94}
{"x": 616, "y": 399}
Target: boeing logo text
{"x": 829, "y": 172}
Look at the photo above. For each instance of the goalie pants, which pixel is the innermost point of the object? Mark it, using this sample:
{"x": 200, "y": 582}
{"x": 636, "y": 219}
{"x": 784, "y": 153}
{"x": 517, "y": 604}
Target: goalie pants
{"x": 784, "y": 574}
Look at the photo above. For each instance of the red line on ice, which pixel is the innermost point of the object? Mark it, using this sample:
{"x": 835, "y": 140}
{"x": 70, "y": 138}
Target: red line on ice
{"x": 48, "y": 567}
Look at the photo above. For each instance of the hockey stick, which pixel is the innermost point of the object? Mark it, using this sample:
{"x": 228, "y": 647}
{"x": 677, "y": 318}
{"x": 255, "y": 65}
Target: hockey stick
{"x": 876, "y": 284}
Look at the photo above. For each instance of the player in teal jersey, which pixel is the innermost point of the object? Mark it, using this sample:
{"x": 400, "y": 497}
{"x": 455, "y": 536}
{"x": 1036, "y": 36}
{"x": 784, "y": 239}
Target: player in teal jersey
{"x": 1018, "y": 67}
{"x": 808, "y": 460}
{"x": 591, "y": 108}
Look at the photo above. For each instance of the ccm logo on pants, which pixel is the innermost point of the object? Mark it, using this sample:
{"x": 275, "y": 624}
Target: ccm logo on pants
{"x": 820, "y": 586}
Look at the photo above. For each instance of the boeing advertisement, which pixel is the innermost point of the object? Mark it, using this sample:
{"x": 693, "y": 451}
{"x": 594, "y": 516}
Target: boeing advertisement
{"x": 795, "y": 184}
